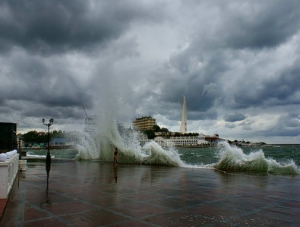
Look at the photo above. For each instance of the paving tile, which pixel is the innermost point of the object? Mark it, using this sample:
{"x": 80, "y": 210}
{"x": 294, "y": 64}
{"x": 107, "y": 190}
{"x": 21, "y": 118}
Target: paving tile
{"x": 44, "y": 223}
{"x": 174, "y": 203}
{"x": 291, "y": 203}
{"x": 2, "y": 205}
{"x": 140, "y": 209}
{"x": 68, "y": 207}
{"x": 202, "y": 197}
{"x": 281, "y": 214}
{"x": 32, "y": 213}
{"x": 179, "y": 219}
{"x": 42, "y": 197}
{"x": 214, "y": 211}
{"x": 295, "y": 211}
{"x": 94, "y": 218}
{"x": 86, "y": 194}
{"x": 261, "y": 220}
{"x": 239, "y": 203}
{"x": 108, "y": 201}
{"x": 132, "y": 224}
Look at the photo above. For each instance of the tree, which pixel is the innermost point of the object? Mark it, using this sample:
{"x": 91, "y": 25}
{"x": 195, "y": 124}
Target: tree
{"x": 41, "y": 137}
{"x": 58, "y": 134}
{"x": 156, "y": 128}
{"x": 150, "y": 134}
{"x": 164, "y": 130}
{"x": 30, "y": 137}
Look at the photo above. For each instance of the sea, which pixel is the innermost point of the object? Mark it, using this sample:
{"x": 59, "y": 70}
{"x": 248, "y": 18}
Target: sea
{"x": 267, "y": 159}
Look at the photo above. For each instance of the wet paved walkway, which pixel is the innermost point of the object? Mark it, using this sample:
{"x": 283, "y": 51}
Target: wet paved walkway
{"x": 97, "y": 194}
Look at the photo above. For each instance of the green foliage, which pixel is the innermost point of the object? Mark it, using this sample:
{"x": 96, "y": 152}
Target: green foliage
{"x": 58, "y": 134}
{"x": 42, "y": 137}
{"x": 156, "y": 128}
{"x": 150, "y": 134}
{"x": 164, "y": 130}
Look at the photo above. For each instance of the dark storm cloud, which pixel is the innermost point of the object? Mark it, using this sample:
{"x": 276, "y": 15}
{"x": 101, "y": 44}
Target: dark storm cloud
{"x": 208, "y": 115}
{"x": 257, "y": 24}
{"x": 57, "y": 113}
{"x": 200, "y": 86}
{"x": 286, "y": 132}
{"x": 40, "y": 40}
{"x": 59, "y": 26}
{"x": 282, "y": 89}
{"x": 233, "y": 117}
{"x": 201, "y": 70}
{"x": 287, "y": 125}
{"x": 235, "y": 61}
{"x": 247, "y": 25}
{"x": 37, "y": 82}
{"x": 230, "y": 125}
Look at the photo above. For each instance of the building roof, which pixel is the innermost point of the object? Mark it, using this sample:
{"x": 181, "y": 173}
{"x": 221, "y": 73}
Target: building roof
{"x": 59, "y": 140}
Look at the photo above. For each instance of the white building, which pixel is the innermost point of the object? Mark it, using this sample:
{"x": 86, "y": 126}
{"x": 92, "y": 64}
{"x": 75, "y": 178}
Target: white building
{"x": 182, "y": 141}
{"x": 188, "y": 141}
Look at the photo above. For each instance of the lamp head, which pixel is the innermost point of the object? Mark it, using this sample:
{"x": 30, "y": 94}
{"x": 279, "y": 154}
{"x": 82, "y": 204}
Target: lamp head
{"x": 43, "y": 120}
{"x": 51, "y": 121}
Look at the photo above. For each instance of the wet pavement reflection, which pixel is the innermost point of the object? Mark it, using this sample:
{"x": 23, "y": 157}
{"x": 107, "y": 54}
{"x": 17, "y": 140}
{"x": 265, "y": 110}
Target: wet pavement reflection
{"x": 96, "y": 194}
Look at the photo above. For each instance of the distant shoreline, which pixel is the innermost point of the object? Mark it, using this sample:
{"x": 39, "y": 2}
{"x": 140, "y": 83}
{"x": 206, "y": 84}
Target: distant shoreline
{"x": 46, "y": 148}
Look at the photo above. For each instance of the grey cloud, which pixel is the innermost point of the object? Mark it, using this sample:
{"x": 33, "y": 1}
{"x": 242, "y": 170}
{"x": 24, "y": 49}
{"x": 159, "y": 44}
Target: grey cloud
{"x": 253, "y": 24}
{"x": 233, "y": 117}
{"x": 198, "y": 71}
{"x": 200, "y": 86}
{"x": 57, "y": 113}
{"x": 207, "y": 115}
{"x": 230, "y": 125}
{"x": 283, "y": 132}
{"x": 258, "y": 25}
{"x": 36, "y": 81}
{"x": 287, "y": 125}
{"x": 56, "y": 26}
{"x": 224, "y": 57}
{"x": 272, "y": 91}
{"x": 280, "y": 88}
{"x": 290, "y": 120}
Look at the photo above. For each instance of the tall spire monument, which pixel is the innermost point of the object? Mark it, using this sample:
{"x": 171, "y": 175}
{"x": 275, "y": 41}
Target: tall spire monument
{"x": 183, "y": 127}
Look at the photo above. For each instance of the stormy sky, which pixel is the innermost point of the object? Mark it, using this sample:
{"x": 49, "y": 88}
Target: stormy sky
{"x": 237, "y": 63}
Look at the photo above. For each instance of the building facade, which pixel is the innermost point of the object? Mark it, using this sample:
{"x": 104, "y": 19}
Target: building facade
{"x": 183, "y": 141}
{"x": 177, "y": 141}
{"x": 144, "y": 123}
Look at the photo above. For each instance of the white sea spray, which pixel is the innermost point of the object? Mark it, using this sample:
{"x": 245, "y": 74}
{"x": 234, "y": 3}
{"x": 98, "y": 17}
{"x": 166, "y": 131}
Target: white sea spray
{"x": 233, "y": 158}
{"x": 105, "y": 137}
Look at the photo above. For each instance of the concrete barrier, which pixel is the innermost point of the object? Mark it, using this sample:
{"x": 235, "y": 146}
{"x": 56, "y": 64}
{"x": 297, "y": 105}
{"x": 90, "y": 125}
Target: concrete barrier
{"x": 8, "y": 172}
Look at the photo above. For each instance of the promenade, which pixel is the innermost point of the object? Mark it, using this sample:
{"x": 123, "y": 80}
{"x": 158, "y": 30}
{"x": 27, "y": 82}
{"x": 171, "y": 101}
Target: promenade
{"x": 90, "y": 193}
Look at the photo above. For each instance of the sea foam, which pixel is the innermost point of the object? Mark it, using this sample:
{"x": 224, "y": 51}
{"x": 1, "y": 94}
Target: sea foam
{"x": 99, "y": 144}
{"x": 234, "y": 159}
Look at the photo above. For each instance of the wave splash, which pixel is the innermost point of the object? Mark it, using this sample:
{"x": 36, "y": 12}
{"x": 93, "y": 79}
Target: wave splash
{"x": 105, "y": 136}
{"x": 233, "y": 159}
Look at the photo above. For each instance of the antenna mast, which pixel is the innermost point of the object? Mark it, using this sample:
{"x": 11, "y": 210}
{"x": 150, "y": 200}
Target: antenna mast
{"x": 85, "y": 112}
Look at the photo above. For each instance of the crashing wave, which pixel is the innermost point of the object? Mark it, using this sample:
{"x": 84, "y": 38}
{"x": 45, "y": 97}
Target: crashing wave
{"x": 101, "y": 142}
{"x": 233, "y": 159}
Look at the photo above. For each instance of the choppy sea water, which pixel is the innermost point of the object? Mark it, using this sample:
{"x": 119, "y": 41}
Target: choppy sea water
{"x": 55, "y": 153}
{"x": 274, "y": 159}
{"x": 281, "y": 153}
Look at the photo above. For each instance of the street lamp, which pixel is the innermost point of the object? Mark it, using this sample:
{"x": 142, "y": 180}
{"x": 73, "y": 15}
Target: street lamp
{"x": 48, "y": 157}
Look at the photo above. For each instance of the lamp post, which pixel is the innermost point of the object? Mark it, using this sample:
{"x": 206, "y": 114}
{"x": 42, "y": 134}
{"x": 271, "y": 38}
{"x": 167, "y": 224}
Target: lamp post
{"x": 48, "y": 157}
